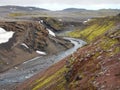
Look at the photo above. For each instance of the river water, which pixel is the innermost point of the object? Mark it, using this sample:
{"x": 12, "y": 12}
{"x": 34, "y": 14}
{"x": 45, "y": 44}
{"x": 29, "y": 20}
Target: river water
{"x": 33, "y": 66}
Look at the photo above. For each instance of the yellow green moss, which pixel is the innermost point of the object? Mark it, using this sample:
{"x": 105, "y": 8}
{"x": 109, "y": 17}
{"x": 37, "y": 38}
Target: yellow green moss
{"x": 54, "y": 23}
{"x": 47, "y": 80}
{"x": 94, "y": 30}
{"x": 16, "y": 14}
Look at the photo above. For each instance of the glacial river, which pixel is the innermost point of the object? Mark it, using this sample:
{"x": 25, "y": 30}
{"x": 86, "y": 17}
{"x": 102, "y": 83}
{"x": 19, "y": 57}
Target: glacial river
{"x": 33, "y": 66}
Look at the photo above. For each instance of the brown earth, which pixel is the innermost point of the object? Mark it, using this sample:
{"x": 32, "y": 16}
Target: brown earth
{"x": 35, "y": 36}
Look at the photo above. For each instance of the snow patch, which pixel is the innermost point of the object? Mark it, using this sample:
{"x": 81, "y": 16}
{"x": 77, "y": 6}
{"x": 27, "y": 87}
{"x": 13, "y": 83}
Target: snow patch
{"x": 41, "y": 52}
{"x": 51, "y": 32}
{"x": 11, "y": 8}
{"x": 41, "y": 21}
{"x": 86, "y": 21}
{"x": 23, "y": 44}
{"x": 31, "y": 60}
{"x": 59, "y": 19}
{"x": 5, "y": 35}
{"x": 30, "y": 8}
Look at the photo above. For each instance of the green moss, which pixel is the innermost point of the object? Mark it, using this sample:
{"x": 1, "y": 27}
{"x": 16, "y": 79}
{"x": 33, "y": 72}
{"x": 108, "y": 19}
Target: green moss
{"x": 61, "y": 85}
{"x": 93, "y": 30}
{"x": 16, "y": 14}
{"x": 1, "y": 62}
{"x": 47, "y": 80}
{"x": 54, "y": 23}
{"x": 116, "y": 50}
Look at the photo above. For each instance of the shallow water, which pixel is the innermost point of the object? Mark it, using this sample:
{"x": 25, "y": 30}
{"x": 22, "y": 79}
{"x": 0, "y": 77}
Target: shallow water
{"x": 33, "y": 66}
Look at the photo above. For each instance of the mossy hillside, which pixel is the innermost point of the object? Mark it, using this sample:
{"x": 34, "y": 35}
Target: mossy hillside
{"x": 17, "y": 14}
{"x": 95, "y": 28}
{"x": 53, "y": 22}
{"x": 88, "y": 68}
{"x": 103, "y": 46}
{"x": 56, "y": 78}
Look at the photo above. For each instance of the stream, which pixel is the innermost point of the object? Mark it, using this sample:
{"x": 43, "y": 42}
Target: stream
{"x": 33, "y": 66}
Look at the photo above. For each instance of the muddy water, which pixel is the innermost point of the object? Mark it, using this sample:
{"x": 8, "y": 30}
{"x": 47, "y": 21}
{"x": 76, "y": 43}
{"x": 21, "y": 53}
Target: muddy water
{"x": 31, "y": 67}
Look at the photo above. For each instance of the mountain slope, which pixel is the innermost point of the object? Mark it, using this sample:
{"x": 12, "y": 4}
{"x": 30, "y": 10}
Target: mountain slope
{"x": 96, "y": 66}
{"x": 21, "y": 8}
{"x": 73, "y": 10}
{"x": 68, "y": 14}
{"x": 30, "y": 39}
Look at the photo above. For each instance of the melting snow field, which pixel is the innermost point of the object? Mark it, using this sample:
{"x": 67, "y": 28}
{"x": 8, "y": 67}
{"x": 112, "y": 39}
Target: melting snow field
{"x": 24, "y": 45}
{"x": 5, "y": 35}
{"x": 41, "y": 52}
{"x": 86, "y": 21}
{"x": 51, "y": 32}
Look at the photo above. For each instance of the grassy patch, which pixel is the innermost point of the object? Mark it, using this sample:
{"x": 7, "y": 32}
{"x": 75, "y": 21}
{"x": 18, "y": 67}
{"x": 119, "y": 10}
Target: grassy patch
{"x": 46, "y": 81}
{"x": 96, "y": 28}
{"x": 54, "y": 23}
{"x": 17, "y": 14}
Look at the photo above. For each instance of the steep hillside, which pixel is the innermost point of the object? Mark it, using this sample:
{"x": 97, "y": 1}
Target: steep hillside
{"x": 58, "y": 24}
{"x": 30, "y": 39}
{"x": 95, "y": 28}
{"x": 95, "y": 66}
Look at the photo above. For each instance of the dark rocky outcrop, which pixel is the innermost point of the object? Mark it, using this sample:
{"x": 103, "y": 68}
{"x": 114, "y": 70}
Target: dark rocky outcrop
{"x": 35, "y": 36}
{"x": 59, "y": 25}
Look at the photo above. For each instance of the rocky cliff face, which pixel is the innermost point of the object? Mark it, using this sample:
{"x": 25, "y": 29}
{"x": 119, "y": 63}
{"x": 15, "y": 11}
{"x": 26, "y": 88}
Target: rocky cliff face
{"x": 29, "y": 37}
{"x": 59, "y": 24}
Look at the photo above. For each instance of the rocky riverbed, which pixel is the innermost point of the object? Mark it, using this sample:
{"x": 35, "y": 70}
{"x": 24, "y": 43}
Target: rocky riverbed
{"x": 29, "y": 68}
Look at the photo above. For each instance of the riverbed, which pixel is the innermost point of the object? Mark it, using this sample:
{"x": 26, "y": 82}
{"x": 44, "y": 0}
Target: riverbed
{"x": 31, "y": 67}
